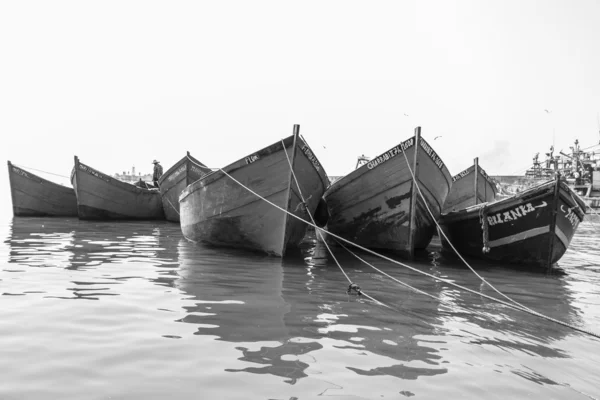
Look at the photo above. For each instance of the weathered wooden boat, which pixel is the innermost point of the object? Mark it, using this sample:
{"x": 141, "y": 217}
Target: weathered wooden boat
{"x": 102, "y": 197}
{"x": 531, "y": 227}
{"x": 34, "y": 196}
{"x": 178, "y": 177}
{"x": 378, "y": 205}
{"x": 217, "y": 210}
{"x": 470, "y": 187}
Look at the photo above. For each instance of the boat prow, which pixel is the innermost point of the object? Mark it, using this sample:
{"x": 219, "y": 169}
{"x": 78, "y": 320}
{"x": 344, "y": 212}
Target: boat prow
{"x": 34, "y": 196}
{"x": 220, "y": 211}
{"x": 175, "y": 179}
{"x": 378, "y": 204}
{"x": 534, "y": 227}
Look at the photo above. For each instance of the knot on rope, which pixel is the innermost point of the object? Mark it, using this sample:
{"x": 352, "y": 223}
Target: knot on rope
{"x": 354, "y": 287}
{"x": 485, "y": 229}
{"x": 302, "y": 206}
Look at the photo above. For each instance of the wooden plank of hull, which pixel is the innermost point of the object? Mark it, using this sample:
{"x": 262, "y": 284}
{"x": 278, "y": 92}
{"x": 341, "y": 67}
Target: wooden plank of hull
{"x": 218, "y": 211}
{"x": 102, "y": 197}
{"x": 462, "y": 194}
{"x": 518, "y": 227}
{"x": 34, "y": 196}
{"x": 371, "y": 206}
{"x": 178, "y": 177}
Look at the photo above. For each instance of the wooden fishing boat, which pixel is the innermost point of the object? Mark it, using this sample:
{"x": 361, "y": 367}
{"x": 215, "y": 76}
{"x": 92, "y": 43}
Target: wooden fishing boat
{"x": 102, "y": 197}
{"x": 217, "y": 210}
{"x": 172, "y": 183}
{"x": 378, "y": 205}
{"x": 531, "y": 227}
{"x": 34, "y": 196}
{"x": 469, "y": 187}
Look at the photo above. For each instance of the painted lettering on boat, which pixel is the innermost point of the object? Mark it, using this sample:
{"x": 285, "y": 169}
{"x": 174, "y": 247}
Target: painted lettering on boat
{"x": 570, "y": 215}
{"x": 313, "y": 159}
{"x": 20, "y": 172}
{"x": 91, "y": 171}
{"x": 462, "y": 174}
{"x": 197, "y": 170}
{"x": 252, "y": 158}
{"x": 176, "y": 173}
{"x": 514, "y": 214}
{"x": 393, "y": 152}
{"x": 432, "y": 154}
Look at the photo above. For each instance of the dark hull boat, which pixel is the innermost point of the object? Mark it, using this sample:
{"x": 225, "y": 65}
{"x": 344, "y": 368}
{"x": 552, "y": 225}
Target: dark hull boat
{"x": 178, "y": 177}
{"x": 470, "y": 187}
{"x": 217, "y": 210}
{"x": 378, "y": 206}
{"x": 102, "y": 197}
{"x": 33, "y": 196}
{"x": 533, "y": 227}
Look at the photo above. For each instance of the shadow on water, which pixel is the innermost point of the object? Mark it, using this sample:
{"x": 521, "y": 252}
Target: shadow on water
{"x": 297, "y": 308}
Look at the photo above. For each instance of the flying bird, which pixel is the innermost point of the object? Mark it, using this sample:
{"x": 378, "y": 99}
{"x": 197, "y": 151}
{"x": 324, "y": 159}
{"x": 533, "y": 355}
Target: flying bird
{"x": 406, "y": 115}
{"x": 547, "y": 111}
{"x": 436, "y": 137}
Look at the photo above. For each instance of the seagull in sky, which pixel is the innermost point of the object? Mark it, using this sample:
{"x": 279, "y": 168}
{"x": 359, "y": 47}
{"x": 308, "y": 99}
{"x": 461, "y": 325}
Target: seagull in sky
{"x": 406, "y": 115}
{"x": 547, "y": 111}
{"x": 436, "y": 137}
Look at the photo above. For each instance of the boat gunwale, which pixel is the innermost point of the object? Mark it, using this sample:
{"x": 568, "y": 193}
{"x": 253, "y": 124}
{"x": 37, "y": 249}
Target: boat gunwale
{"x": 494, "y": 207}
{"x": 354, "y": 175}
{"x": 114, "y": 181}
{"x": 187, "y": 158}
{"x": 213, "y": 176}
{"x": 43, "y": 180}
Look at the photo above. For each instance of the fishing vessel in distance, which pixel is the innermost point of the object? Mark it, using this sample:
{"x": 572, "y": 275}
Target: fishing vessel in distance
{"x": 178, "y": 177}
{"x": 378, "y": 205}
{"x": 102, "y": 197}
{"x": 34, "y": 196}
{"x": 533, "y": 227}
{"x": 217, "y": 210}
{"x": 469, "y": 187}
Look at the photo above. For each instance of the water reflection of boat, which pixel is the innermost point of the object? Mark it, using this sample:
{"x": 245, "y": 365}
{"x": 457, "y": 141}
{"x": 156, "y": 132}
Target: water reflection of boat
{"x": 237, "y": 294}
{"x": 42, "y": 241}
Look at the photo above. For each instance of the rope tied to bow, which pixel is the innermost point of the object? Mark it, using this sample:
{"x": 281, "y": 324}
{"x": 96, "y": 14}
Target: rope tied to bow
{"x": 484, "y": 229}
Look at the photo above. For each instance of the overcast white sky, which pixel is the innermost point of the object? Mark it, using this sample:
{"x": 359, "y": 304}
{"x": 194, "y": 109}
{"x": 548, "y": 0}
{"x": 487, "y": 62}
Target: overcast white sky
{"x": 119, "y": 83}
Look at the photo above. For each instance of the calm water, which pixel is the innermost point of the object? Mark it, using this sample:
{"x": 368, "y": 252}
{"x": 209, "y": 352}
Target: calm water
{"x": 133, "y": 311}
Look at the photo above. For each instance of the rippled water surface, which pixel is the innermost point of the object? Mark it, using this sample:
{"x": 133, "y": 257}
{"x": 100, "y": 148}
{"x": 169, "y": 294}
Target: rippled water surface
{"x": 134, "y": 311}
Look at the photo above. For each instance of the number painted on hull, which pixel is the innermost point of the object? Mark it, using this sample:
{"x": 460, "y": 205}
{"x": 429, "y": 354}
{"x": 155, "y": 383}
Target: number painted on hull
{"x": 388, "y": 155}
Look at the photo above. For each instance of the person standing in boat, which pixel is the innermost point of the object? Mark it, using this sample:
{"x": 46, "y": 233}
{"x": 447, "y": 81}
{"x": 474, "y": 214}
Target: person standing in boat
{"x": 158, "y": 171}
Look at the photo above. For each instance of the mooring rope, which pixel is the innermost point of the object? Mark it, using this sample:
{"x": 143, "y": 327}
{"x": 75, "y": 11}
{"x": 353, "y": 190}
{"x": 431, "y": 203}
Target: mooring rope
{"x": 517, "y": 304}
{"x": 513, "y": 306}
{"x": 352, "y": 286}
{"x": 173, "y": 206}
{"x": 440, "y": 230}
{"x": 39, "y": 170}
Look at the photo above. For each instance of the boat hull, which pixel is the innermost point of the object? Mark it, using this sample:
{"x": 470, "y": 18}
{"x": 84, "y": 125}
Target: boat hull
{"x": 102, "y": 197}
{"x": 33, "y": 196}
{"x": 377, "y": 205}
{"x": 218, "y": 211}
{"x": 464, "y": 186}
{"x": 519, "y": 228}
{"x": 178, "y": 177}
